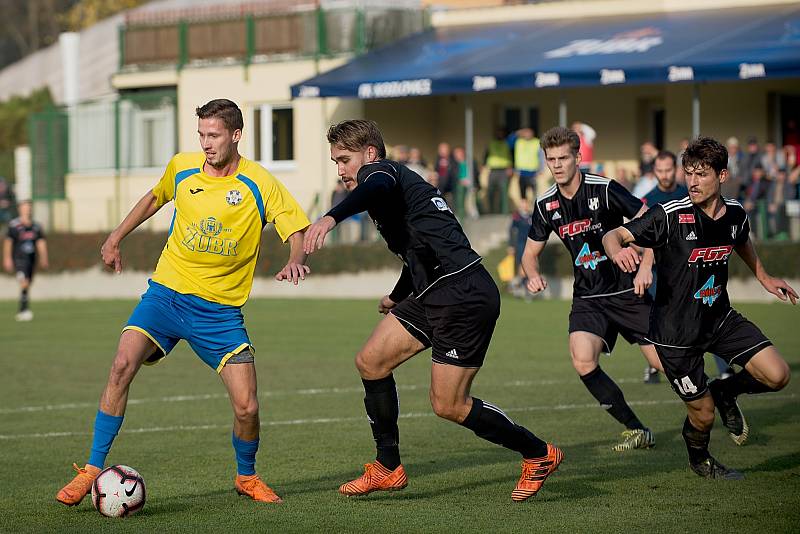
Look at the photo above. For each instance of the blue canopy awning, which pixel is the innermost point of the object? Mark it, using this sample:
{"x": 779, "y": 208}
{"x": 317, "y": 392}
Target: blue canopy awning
{"x": 718, "y": 45}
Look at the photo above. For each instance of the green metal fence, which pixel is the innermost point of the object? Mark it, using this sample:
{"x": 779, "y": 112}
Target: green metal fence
{"x": 263, "y": 37}
{"x": 120, "y": 133}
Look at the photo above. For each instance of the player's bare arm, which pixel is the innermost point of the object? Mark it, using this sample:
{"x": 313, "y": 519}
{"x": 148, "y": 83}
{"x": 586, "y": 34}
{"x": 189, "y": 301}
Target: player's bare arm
{"x": 776, "y": 286}
{"x": 41, "y": 252}
{"x": 386, "y": 304}
{"x": 626, "y": 258}
{"x": 530, "y": 265}
{"x": 143, "y": 210}
{"x": 296, "y": 268}
{"x": 315, "y": 235}
{"x": 8, "y": 265}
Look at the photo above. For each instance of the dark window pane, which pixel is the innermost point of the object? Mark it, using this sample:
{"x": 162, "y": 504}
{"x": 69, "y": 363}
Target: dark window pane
{"x": 282, "y": 135}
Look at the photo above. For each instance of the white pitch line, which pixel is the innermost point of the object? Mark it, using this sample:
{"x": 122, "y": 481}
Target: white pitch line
{"x": 276, "y": 393}
{"x": 329, "y": 420}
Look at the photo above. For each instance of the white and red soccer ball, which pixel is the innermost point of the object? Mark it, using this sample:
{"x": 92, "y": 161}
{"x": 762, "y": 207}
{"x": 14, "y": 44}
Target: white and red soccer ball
{"x": 118, "y": 491}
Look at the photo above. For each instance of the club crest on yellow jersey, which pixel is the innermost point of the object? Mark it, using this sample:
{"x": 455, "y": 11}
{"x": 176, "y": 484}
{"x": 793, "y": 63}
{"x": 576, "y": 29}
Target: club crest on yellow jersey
{"x": 204, "y": 237}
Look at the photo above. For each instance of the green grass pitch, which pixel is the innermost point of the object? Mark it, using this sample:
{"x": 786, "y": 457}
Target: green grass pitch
{"x": 315, "y": 435}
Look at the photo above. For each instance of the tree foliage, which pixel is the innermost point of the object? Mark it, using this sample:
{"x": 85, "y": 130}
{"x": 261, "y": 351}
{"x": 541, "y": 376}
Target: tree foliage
{"x": 87, "y": 12}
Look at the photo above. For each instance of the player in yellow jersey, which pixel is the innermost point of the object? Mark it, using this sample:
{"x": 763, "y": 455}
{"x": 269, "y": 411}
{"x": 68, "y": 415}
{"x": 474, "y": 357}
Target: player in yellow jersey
{"x": 204, "y": 275}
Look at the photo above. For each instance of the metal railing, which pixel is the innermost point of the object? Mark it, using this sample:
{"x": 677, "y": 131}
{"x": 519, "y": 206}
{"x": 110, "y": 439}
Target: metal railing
{"x": 256, "y": 37}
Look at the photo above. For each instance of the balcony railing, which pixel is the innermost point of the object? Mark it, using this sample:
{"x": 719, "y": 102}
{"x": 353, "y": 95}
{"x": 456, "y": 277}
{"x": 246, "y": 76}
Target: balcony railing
{"x": 252, "y": 37}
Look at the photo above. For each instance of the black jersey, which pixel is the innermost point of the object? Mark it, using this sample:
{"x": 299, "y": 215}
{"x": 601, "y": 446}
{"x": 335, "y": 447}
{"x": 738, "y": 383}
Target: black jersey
{"x": 692, "y": 252}
{"x": 23, "y": 239}
{"x": 597, "y": 207}
{"x": 415, "y": 221}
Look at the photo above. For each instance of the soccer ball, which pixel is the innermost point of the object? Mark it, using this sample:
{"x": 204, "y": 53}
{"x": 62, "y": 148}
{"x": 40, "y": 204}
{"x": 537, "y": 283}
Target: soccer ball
{"x": 118, "y": 491}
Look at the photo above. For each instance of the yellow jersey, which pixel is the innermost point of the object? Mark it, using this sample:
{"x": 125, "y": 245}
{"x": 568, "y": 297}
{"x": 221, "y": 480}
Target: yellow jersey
{"x": 215, "y": 233}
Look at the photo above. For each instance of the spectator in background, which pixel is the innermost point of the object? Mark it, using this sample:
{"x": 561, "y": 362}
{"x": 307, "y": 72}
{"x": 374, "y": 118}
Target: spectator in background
{"x": 527, "y": 160}
{"x": 347, "y": 231}
{"x": 679, "y": 174}
{"x": 772, "y": 160}
{"x": 738, "y": 170}
{"x": 400, "y": 154}
{"x": 756, "y": 192}
{"x": 416, "y": 163}
{"x": 667, "y": 187}
{"x": 647, "y": 179}
{"x": 751, "y": 156}
{"x": 779, "y": 191}
{"x": 446, "y": 170}
{"x": 7, "y": 202}
{"x": 466, "y": 185}
{"x": 499, "y": 164}
{"x": 517, "y": 238}
{"x": 587, "y": 135}
{"x": 791, "y": 135}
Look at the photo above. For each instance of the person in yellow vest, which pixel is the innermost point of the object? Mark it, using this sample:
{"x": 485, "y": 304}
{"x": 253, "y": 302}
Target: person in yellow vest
{"x": 527, "y": 161}
{"x": 499, "y": 164}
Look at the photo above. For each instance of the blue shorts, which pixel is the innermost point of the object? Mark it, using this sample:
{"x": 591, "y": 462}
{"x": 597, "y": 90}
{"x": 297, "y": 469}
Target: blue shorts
{"x": 214, "y": 331}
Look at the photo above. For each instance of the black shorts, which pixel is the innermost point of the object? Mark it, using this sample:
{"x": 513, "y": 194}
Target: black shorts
{"x": 24, "y": 267}
{"x": 625, "y": 314}
{"x": 457, "y": 318}
{"x": 735, "y": 341}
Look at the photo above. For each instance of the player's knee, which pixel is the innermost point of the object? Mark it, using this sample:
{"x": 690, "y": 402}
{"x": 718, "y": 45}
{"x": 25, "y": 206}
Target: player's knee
{"x": 245, "y": 409}
{"x": 777, "y": 377}
{"x": 122, "y": 369}
{"x": 702, "y": 419}
{"x": 446, "y": 408}
{"x": 369, "y": 367}
{"x": 582, "y": 366}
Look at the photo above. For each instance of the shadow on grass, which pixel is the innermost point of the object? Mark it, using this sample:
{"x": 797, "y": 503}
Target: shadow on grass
{"x": 588, "y": 467}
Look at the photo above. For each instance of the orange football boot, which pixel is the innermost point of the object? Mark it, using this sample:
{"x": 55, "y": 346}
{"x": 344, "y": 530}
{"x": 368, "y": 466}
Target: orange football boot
{"x": 534, "y": 472}
{"x": 254, "y": 487}
{"x": 74, "y": 492}
{"x": 376, "y": 477}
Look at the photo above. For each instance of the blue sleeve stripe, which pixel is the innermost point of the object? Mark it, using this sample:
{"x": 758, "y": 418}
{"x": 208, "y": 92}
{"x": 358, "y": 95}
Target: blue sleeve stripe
{"x": 172, "y": 222}
{"x": 256, "y": 194}
{"x": 181, "y": 176}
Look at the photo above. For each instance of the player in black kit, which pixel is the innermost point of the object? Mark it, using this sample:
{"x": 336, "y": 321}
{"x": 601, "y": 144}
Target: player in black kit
{"x": 580, "y": 208}
{"x": 23, "y": 245}
{"x": 693, "y": 239}
{"x": 444, "y": 299}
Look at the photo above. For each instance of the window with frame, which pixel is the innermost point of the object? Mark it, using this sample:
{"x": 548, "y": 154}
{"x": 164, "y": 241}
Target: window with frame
{"x": 273, "y": 143}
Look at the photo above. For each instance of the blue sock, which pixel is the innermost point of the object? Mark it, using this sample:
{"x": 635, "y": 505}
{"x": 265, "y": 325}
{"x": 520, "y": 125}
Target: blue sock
{"x": 245, "y": 455}
{"x": 106, "y": 428}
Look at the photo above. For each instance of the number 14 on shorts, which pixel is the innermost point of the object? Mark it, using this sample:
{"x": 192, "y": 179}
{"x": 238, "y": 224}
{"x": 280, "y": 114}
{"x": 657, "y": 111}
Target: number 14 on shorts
{"x": 685, "y": 385}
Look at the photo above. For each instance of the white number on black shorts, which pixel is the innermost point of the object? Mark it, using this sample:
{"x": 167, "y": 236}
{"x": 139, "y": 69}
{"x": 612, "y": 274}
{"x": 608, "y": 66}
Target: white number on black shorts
{"x": 685, "y": 386}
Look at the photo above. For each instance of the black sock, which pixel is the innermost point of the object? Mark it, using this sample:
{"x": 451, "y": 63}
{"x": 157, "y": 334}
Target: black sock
{"x": 611, "y": 398}
{"x": 490, "y": 423}
{"x": 741, "y": 382}
{"x": 383, "y": 409}
{"x": 23, "y": 300}
{"x": 696, "y": 442}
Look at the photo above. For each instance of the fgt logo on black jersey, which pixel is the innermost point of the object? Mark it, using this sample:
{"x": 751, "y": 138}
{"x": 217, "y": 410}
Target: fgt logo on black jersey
{"x": 577, "y": 227}
{"x": 707, "y": 254}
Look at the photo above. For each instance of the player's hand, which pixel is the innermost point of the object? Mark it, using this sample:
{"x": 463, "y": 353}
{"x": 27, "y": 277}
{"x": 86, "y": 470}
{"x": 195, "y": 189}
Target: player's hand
{"x": 642, "y": 281}
{"x": 293, "y": 272}
{"x": 627, "y": 259}
{"x": 315, "y": 235}
{"x": 44, "y": 264}
{"x": 536, "y": 283}
{"x": 386, "y": 304}
{"x": 8, "y": 265}
{"x": 111, "y": 256}
{"x": 780, "y": 289}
